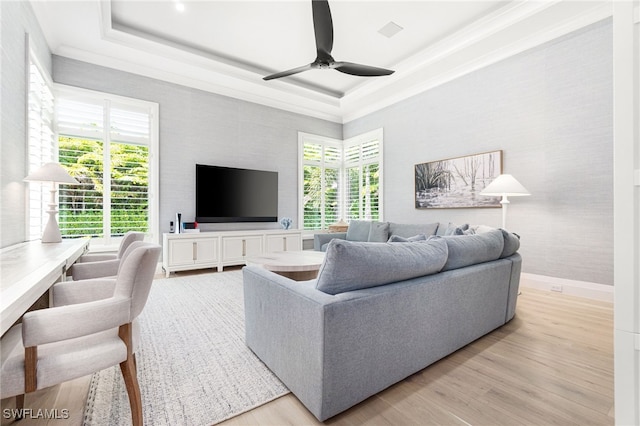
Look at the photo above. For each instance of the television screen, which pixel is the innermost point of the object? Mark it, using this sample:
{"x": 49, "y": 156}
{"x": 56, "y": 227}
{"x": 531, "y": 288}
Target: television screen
{"x": 225, "y": 194}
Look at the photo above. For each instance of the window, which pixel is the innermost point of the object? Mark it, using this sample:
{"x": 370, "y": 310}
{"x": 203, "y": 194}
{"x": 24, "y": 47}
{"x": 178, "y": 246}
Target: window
{"x": 109, "y": 144}
{"x": 321, "y": 169}
{"x": 41, "y": 147}
{"x": 340, "y": 180}
{"x": 362, "y": 164}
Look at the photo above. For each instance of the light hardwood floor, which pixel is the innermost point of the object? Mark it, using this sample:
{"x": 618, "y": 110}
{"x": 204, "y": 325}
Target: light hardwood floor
{"x": 552, "y": 364}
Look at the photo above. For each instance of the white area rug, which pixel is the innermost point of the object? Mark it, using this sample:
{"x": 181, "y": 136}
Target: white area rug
{"x": 193, "y": 365}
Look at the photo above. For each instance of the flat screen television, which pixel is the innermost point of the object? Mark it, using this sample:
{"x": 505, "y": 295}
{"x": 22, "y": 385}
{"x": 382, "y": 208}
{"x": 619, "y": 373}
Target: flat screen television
{"x": 226, "y": 194}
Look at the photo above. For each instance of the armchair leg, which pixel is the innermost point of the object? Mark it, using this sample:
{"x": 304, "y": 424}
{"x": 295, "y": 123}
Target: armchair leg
{"x": 133, "y": 389}
{"x": 128, "y": 368}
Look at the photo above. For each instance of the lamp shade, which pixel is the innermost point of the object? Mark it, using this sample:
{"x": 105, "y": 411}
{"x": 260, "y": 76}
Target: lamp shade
{"x": 51, "y": 172}
{"x": 505, "y": 185}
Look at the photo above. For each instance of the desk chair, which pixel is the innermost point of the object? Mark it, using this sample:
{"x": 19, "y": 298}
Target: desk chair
{"x": 95, "y": 265}
{"x": 83, "y": 333}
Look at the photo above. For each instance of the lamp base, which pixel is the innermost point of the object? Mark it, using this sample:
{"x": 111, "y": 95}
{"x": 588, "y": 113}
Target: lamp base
{"x": 51, "y": 233}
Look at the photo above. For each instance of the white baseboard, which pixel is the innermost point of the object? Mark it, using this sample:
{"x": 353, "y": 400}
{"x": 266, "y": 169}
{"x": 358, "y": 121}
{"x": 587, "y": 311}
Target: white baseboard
{"x": 584, "y": 289}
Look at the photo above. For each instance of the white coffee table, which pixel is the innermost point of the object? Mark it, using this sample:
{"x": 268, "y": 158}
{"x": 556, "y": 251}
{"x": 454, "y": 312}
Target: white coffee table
{"x": 297, "y": 265}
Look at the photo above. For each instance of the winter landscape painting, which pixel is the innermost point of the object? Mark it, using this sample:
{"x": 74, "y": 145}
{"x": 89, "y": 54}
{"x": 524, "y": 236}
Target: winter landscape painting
{"x": 457, "y": 182}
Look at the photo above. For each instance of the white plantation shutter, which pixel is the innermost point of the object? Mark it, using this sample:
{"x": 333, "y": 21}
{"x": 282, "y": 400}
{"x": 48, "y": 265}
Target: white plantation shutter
{"x": 106, "y": 142}
{"x": 363, "y": 159}
{"x": 340, "y": 180}
{"x": 81, "y": 118}
{"x": 321, "y": 177}
{"x": 129, "y": 124}
{"x": 41, "y": 145}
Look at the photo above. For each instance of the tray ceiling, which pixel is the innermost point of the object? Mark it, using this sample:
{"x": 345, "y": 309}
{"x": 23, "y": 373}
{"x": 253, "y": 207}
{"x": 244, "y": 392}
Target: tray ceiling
{"x": 228, "y": 46}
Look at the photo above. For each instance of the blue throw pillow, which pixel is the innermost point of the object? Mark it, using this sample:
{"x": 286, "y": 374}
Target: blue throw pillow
{"x": 358, "y": 230}
{"x": 378, "y": 232}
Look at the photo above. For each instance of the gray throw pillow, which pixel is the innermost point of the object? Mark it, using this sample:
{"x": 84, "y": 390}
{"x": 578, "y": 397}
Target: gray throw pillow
{"x": 446, "y": 229}
{"x": 407, "y": 230}
{"x": 358, "y": 230}
{"x": 463, "y": 230}
{"x": 399, "y": 239}
{"x": 352, "y": 265}
{"x": 465, "y": 250}
{"x": 379, "y": 232}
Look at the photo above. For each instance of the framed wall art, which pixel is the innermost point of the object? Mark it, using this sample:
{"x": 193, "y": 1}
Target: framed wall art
{"x": 457, "y": 182}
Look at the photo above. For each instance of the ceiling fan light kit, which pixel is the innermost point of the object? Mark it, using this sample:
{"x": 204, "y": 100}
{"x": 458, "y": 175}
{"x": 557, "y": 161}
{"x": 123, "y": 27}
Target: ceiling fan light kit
{"x": 323, "y": 28}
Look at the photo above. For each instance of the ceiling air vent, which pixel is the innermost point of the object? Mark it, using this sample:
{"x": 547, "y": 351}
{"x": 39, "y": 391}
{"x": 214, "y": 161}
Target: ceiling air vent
{"x": 390, "y": 29}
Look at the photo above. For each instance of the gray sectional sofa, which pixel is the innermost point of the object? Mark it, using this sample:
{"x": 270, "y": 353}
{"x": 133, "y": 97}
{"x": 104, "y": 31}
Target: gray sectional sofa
{"x": 379, "y": 312}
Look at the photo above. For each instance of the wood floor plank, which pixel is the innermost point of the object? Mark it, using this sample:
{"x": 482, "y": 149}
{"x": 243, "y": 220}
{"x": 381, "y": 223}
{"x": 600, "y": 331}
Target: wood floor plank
{"x": 552, "y": 364}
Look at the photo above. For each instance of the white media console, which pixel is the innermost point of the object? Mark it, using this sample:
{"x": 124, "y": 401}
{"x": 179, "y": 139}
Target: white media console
{"x": 183, "y": 252}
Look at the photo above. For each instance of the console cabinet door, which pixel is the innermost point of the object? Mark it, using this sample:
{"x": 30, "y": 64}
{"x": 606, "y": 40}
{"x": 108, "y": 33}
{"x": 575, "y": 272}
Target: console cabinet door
{"x": 283, "y": 242}
{"x": 206, "y": 251}
{"x": 181, "y": 252}
{"x": 293, "y": 242}
{"x": 253, "y": 246}
{"x": 238, "y": 248}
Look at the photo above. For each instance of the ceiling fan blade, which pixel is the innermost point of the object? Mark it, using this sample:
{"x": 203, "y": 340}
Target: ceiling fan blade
{"x": 360, "y": 70}
{"x": 289, "y": 72}
{"x": 323, "y": 27}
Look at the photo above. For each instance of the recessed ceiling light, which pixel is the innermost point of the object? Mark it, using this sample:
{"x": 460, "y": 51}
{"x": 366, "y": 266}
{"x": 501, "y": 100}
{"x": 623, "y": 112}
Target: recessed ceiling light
{"x": 180, "y": 6}
{"x": 390, "y": 29}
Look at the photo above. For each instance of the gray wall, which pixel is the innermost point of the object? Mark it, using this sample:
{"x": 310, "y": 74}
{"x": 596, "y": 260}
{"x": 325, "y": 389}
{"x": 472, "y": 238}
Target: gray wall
{"x": 206, "y": 128}
{"x": 17, "y": 20}
{"x": 550, "y": 110}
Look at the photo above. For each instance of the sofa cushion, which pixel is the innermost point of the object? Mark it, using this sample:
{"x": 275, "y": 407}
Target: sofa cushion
{"x": 511, "y": 243}
{"x": 410, "y": 229}
{"x": 399, "y": 239}
{"x": 378, "y": 232}
{"x": 465, "y": 250}
{"x": 352, "y": 265}
{"x": 358, "y": 230}
{"x": 511, "y": 240}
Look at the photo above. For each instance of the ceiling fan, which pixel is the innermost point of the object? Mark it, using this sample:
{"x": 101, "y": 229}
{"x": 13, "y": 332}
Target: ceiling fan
{"x": 323, "y": 28}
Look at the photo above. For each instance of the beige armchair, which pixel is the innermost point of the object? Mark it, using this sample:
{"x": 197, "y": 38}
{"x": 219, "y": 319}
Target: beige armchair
{"x": 91, "y": 327}
{"x": 95, "y": 265}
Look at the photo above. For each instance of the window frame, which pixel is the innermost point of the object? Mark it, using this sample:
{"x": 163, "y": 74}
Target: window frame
{"x": 108, "y": 242}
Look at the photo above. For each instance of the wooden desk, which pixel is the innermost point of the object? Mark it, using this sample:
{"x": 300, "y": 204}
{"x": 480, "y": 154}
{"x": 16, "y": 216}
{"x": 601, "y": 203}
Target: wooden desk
{"x": 28, "y": 270}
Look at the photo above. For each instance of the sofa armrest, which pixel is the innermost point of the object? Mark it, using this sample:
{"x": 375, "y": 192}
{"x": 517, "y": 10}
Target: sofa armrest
{"x": 514, "y": 285}
{"x": 321, "y": 239}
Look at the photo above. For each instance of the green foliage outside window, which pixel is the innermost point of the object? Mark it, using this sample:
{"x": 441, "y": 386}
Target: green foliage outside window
{"x": 315, "y": 191}
{"x": 82, "y": 209}
{"x": 363, "y": 196}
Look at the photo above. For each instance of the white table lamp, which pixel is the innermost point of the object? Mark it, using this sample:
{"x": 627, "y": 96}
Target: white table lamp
{"x": 54, "y": 173}
{"x": 505, "y": 185}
